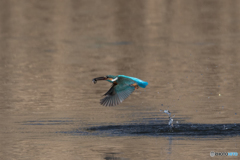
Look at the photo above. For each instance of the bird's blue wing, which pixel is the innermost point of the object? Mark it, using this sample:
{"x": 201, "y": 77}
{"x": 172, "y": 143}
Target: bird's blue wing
{"x": 140, "y": 82}
{"x": 118, "y": 92}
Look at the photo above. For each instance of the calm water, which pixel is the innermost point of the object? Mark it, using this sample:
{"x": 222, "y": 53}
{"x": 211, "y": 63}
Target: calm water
{"x": 187, "y": 50}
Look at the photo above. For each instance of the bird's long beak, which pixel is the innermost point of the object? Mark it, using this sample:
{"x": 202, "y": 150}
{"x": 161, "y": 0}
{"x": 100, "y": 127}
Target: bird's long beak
{"x": 99, "y": 78}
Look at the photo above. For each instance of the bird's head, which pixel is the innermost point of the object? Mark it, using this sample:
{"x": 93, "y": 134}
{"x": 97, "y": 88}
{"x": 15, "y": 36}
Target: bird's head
{"x": 111, "y": 78}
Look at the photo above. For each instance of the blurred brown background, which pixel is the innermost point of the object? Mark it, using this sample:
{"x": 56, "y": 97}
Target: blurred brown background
{"x": 50, "y": 50}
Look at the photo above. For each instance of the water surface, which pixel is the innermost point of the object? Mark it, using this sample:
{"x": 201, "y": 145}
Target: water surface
{"x": 188, "y": 51}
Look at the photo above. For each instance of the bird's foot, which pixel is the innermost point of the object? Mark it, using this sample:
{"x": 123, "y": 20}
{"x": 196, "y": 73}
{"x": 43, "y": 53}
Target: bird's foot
{"x": 135, "y": 85}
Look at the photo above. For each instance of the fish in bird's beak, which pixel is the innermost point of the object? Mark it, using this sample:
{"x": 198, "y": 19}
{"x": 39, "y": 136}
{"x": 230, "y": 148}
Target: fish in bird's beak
{"x": 99, "y": 78}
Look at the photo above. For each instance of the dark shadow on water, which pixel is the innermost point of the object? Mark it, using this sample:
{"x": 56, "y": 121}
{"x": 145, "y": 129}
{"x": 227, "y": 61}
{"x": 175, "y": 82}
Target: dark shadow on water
{"x": 162, "y": 130}
{"x": 113, "y": 156}
{"x": 150, "y": 129}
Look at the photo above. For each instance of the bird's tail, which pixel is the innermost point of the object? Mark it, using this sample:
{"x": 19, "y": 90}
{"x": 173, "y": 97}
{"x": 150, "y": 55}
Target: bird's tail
{"x": 143, "y": 84}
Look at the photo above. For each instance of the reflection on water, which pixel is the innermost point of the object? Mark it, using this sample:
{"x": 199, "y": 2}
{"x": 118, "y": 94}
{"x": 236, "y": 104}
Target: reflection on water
{"x": 188, "y": 51}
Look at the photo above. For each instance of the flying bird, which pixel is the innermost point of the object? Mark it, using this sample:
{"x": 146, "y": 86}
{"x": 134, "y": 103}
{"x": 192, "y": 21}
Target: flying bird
{"x": 122, "y": 87}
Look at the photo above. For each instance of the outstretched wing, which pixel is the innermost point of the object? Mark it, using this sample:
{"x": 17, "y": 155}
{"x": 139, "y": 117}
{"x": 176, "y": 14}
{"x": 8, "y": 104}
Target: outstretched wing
{"x": 118, "y": 92}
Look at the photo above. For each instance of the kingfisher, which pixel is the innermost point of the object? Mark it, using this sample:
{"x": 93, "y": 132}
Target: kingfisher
{"x": 122, "y": 87}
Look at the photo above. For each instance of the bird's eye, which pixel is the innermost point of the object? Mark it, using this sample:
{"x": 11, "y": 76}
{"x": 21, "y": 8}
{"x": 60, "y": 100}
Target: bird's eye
{"x": 107, "y": 76}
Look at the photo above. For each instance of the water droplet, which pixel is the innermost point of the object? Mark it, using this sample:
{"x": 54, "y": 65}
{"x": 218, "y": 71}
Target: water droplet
{"x": 235, "y": 113}
{"x": 161, "y": 104}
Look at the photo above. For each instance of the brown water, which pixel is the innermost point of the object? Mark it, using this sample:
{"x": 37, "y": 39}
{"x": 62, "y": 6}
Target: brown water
{"x": 187, "y": 50}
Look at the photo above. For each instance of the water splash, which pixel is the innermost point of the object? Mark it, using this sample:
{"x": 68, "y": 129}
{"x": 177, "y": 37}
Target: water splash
{"x": 170, "y": 122}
